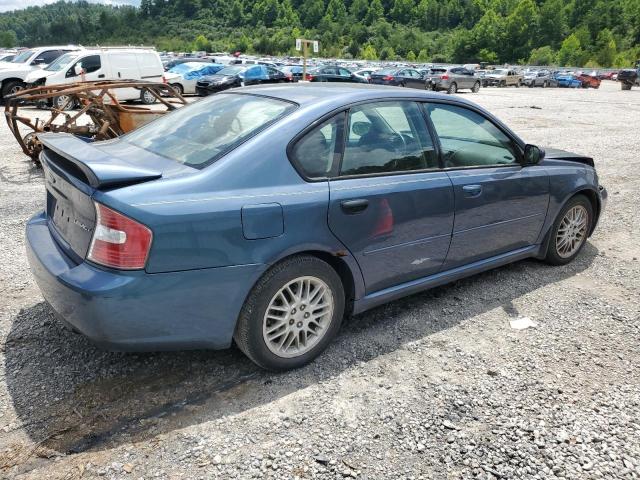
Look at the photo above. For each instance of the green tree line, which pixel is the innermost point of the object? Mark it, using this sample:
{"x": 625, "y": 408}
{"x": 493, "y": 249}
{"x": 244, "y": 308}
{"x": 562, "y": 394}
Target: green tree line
{"x": 563, "y": 32}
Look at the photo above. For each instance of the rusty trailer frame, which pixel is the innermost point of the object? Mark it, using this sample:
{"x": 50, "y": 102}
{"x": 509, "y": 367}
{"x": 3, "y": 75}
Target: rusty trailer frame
{"x": 107, "y": 117}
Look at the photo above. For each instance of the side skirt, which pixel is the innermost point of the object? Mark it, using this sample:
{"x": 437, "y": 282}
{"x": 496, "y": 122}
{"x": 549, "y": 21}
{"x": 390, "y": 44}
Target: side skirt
{"x": 392, "y": 293}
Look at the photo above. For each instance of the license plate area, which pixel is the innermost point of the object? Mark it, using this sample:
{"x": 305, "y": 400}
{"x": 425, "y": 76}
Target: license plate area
{"x": 71, "y": 213}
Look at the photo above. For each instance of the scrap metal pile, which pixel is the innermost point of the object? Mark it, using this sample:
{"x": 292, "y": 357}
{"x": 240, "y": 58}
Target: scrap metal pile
{"x": 87, "y": 109}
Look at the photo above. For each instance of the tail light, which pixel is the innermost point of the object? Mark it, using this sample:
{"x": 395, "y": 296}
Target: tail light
{"x": 164, "y": 80}
{"x": 309, "y": 77}
{"x": 118, "y": 241}
{"x": 444, "y": 77}
{"x": 388, "y": 78}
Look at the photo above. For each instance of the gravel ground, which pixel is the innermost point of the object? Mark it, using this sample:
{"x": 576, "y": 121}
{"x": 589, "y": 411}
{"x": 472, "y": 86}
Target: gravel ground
{"x": 434, "y": 386}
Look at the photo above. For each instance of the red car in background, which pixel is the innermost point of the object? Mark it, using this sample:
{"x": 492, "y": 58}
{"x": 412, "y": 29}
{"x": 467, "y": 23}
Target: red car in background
{"x": 589, "y": 81}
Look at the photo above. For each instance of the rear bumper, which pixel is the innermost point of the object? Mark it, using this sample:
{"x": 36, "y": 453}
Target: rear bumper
{"x": 138, "y": 311}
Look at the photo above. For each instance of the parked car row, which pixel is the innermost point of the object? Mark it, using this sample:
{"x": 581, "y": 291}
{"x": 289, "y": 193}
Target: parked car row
{"x": 69, "y": 64}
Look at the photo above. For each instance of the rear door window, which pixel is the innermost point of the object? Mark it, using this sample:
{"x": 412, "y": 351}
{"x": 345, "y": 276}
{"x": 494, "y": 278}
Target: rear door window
{"x": 387, "y": 137}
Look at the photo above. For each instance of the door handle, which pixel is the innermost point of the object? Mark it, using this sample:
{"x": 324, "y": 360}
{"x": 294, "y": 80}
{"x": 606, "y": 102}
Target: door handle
{"x": 472, "y": 191}
{"x": 351, "y": 207}
{"x": 101, "y": 75}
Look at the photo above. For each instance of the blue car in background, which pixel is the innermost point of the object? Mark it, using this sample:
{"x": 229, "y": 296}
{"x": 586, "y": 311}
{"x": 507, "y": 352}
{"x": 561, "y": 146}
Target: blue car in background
{"x": 567, "y": 80}
{"x": 266, "y": 214}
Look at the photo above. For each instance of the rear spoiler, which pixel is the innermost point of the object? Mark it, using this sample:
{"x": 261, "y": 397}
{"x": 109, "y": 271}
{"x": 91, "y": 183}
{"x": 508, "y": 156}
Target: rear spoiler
{"x": 101, "y": 169}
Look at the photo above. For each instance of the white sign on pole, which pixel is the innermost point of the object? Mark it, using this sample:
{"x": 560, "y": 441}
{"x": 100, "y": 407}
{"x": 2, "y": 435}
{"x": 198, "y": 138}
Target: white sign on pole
{"x": 316, "y": 47}
{"x": 298, "y": 44}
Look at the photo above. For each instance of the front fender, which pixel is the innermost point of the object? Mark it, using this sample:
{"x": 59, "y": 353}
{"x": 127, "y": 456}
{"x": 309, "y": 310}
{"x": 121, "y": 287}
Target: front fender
{"x": 567, "y": 179}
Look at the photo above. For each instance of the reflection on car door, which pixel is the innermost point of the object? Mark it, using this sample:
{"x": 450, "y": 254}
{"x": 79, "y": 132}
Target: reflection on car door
{"x": 500, "y": 205}
{"x": 390, "y": 205}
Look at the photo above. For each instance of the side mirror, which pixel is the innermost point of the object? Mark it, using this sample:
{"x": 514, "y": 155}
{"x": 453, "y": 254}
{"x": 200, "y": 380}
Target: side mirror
{"x": 533, "y": 154}
{"x": 38, "y": 61}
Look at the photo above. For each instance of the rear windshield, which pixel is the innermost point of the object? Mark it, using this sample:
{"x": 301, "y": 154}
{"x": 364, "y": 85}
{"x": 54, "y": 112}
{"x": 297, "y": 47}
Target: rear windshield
{"x": 200, "y": 133}
{"x": 438, "y": 70}
{"x": 386, "y": 71}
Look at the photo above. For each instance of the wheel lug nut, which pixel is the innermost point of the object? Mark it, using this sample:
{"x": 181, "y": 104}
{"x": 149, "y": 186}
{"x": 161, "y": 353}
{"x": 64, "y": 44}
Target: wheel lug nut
{"x": 293, "y": 312}
{"x": 299, "y": 325}
{"x": 306, "y": 315}
{"x": 291, "y": 322}
{"x": 301, "y": 307}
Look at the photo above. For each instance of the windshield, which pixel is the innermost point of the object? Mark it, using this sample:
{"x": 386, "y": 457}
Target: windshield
{"x": 231, "y": 70}
{"x": 62, "y": 62}
{"x": 199, "y": 134}
{"x": 500, "y": 72}
{"x": 386, "y": 71}
{"x": 23, "y": 57}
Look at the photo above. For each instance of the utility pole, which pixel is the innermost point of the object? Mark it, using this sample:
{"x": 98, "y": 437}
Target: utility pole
{"x": 303, "y": 44}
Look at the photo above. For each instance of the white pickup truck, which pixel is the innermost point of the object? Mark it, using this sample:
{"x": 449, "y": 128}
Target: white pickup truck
{"x": 13, "y": 73}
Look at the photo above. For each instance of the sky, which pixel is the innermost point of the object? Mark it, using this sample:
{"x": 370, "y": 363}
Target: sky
{"x": 6, "y": 5}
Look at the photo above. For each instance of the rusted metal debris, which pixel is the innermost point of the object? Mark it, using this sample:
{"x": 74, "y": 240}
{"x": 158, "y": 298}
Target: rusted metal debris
{"x": 98, "y": 115}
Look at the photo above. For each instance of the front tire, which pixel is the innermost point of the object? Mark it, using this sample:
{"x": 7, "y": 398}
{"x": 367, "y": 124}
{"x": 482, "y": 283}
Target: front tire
{"x": 9, "y": 88}
{"x": 570, "y": 231}
{"x": 291, "y": 314}
{"x": 476, "y": 87}
{"x": 178, "y": 88}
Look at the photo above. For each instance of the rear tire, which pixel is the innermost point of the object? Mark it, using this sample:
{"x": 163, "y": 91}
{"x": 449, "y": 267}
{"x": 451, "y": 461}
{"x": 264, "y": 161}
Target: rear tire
{"x": 271, "y": 323}
{"x": 453, "y": 88}
{"x": 567, "y": 240}
{"x": 625, "y": 86}
{"x": 178, "y": 88}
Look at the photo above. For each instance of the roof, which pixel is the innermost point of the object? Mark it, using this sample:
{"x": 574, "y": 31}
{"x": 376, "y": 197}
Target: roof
{"x": 308, "y": 94}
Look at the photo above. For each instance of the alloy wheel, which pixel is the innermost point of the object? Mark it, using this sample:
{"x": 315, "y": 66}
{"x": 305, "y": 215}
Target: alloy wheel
{"x": 148, "y": 97}
{"x": 63, "y": 102}
{"x": 572, "y": 231}
{"x": 298, "y": 317}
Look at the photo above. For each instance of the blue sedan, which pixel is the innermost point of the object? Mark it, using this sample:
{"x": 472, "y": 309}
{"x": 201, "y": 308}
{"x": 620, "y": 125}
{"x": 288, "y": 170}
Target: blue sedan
{"x": 266, "y": 214}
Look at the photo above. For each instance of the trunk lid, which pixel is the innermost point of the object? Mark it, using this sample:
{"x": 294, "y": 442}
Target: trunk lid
{"x": 99, "y": 168}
